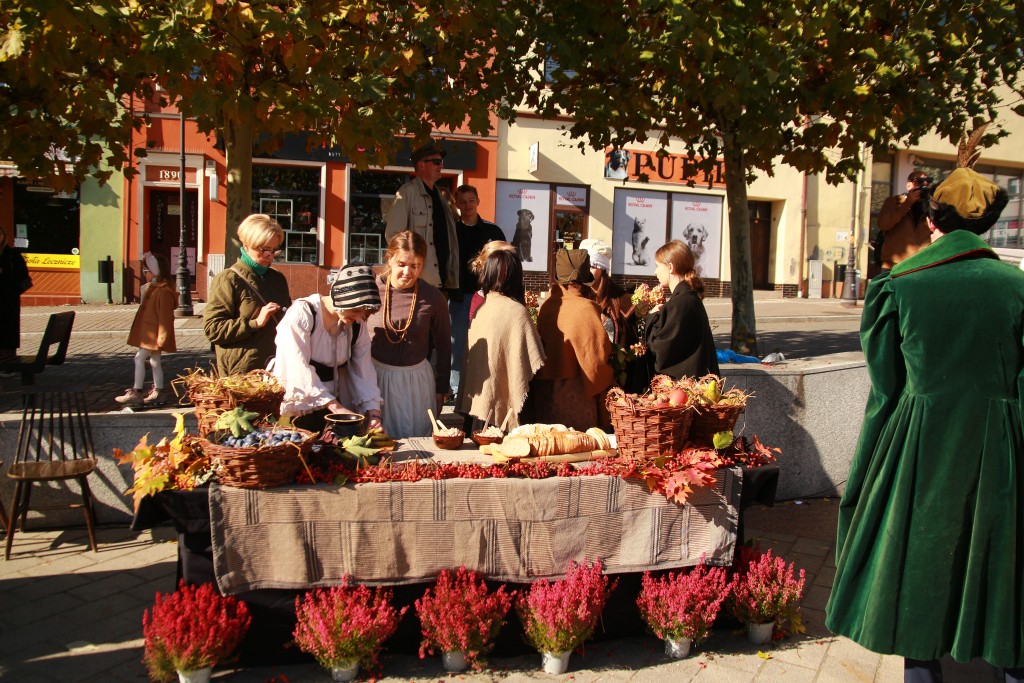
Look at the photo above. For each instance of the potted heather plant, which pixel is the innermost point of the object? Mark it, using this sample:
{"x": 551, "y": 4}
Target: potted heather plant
{"x": 767, "y": 593}
{"x": 344, "y": 627}
{"x": 191, "y": 630}
{"x": 558, "y": 616}
{"x": 460, "y": 618}
{"x": 681, "y": 607}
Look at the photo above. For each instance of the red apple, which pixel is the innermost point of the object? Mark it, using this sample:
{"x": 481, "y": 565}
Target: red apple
{"x": 678, "y": 397}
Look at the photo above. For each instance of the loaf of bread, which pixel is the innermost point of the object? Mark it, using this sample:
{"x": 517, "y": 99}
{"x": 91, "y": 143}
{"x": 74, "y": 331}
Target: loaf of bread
{"x": 538, "y": 443}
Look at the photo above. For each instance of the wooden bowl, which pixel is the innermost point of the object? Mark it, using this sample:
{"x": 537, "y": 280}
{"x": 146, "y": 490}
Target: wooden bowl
{"x": 450, "y": 443}
{"x": 485, "y": 440}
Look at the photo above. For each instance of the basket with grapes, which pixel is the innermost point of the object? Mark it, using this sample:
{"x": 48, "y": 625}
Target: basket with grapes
{"x": 252, "y": 457}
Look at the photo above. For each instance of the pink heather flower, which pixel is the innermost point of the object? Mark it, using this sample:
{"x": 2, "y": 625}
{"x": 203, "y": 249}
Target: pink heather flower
{"x": 558, "y": 616}
{"x": 344, "y": 623}
{"x": 678, "y": 605}
{"x": 767, "y": 591}
{"x": 193, "y": 628}
{"x": 459, "y": 615}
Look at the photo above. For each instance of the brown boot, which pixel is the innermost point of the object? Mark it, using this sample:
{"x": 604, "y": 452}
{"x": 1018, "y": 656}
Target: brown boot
{"x": 131, "y": 397}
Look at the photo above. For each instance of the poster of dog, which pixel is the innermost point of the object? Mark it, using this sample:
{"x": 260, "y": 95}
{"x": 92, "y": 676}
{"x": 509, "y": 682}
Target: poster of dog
{"x": 697, "y": 221}
{"x": 523, "y": 210}
{"x": 640, "y": 227}
{"x": 616, "y": 164}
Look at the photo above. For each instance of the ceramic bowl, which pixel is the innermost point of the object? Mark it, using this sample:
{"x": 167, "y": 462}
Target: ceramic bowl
{"x": 484, "y": 440}
{"x": 450, "y": 443}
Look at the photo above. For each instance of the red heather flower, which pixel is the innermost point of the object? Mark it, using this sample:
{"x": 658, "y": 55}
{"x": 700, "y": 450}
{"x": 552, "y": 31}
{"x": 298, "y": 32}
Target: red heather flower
{"x": 678, "y": 605}
{"x": 344, "y": 623}
{"x": 768, "y": 591}
{"x": 559, "y": 616}
{"x": 459, "y": 615}
{"x": 193, "y": 628}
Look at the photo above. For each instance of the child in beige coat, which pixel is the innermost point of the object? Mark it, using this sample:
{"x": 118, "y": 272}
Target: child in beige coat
{"x": 152, "y": 332}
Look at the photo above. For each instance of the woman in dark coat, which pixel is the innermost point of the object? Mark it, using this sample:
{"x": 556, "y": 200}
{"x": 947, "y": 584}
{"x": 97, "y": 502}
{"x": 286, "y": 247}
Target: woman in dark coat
{"x": 678, "y": 331}
{"x": 930, "y": 548}
{"x": 14, "y": 281}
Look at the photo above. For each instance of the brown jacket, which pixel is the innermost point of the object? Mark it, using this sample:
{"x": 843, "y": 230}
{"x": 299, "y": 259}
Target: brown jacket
{"x": 575, "y": 341}
{"x": 153, "y": 327}
{"x": 903, "y": 237}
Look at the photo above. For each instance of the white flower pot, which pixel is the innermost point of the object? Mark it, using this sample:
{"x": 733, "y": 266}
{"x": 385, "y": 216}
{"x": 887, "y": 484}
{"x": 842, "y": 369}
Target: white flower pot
{"x": 677, "y": 648}
{"x": 454, "y": 661}
{"x": 555, "y": 662}
{"x": 346, "y": 671}
{"x": 195, "y": 676}
{"x": 759, "y": 634}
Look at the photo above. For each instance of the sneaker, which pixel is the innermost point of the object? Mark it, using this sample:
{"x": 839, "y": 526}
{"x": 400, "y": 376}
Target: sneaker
{"x": 130, "y": 397}
{"x": 155, "y": 397}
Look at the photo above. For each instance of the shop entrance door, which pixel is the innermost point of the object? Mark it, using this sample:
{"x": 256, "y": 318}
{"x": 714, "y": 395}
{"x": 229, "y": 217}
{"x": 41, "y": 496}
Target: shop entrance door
{"x": 760, "y": 242}
{"x": 164, "y": 230}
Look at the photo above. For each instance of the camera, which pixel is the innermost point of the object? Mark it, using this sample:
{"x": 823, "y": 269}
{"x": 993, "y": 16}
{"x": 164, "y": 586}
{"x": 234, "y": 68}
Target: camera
{"x": 924, "y": 182}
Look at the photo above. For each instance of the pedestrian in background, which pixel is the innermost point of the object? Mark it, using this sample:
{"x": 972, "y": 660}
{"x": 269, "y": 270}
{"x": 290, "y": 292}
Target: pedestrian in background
{"x": 473, "y": 232}
{"x": 14, "y": 281}
{"x": 678, "y": 332}
{"x": 152, "y": 332}
{"x": 930, "y": 548}
{"x": 246, "y": 301}
{"x": 422, "y": 207}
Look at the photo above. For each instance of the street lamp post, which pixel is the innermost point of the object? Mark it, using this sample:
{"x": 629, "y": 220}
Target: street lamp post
{"x": 184, "y": 308}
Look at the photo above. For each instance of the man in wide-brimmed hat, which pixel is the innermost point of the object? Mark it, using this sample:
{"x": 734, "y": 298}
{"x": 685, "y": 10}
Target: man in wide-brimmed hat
{"x": 930, "y": 550}
{"x": 424, "y": 208}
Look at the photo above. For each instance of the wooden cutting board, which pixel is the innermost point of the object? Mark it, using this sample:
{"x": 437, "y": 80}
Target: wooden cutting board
{"x": 494, "y": 450}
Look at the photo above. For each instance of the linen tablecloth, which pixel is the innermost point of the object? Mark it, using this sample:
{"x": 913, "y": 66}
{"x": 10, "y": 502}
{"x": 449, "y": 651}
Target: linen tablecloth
{"x": 515, "y": 530}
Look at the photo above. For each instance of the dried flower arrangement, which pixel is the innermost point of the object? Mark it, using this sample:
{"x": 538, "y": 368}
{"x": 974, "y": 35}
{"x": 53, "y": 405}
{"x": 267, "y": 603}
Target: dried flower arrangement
{"x": 191, "y": 629}
{"x": 459, "y": 614}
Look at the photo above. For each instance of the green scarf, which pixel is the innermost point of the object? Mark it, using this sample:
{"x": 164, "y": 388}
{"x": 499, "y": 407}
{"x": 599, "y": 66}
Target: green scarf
{"x": 256, "y": 268}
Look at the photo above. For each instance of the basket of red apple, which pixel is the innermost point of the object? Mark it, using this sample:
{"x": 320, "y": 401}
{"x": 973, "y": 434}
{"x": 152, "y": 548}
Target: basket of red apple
{"x": 650, "y": 424}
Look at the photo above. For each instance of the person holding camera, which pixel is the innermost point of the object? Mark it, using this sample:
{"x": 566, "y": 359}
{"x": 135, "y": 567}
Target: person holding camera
{"x": 902, "y": 224}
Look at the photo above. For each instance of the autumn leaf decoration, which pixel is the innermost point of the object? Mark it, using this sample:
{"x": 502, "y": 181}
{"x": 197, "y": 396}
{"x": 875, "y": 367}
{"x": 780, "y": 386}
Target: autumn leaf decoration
{"x": 171, "y": 463}
{"x": 676, "y": 476}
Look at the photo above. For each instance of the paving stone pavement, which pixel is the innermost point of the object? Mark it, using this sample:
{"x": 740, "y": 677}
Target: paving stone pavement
{"x": 69, "y": 615}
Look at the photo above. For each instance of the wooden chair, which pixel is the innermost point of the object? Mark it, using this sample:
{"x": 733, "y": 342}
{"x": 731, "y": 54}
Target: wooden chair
{"x": 54, "y": 444}
{"x": 58, "y": 331}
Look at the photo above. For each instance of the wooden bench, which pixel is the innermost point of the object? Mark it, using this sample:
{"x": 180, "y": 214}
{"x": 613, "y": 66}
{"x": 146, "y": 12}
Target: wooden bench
{"x": 58, "y": 332}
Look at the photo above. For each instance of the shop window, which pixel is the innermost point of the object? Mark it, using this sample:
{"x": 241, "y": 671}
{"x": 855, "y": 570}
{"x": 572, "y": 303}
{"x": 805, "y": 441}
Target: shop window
{"x": 291, "y": 195}
{"x": 371, "y": 195}
{"x": 45, "y": 217}
{"x": 1007, "y": 230}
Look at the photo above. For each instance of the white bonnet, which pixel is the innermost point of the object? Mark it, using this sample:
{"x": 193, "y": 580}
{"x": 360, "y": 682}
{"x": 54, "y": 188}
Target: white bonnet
{"x": 600, "y": 254}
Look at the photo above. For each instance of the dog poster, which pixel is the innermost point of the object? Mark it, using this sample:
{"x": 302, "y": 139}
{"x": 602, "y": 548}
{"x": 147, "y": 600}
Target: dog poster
{"x": 640, "y": 226}
{"x": 523, "y": 210}
{"x": 697, "y": 221}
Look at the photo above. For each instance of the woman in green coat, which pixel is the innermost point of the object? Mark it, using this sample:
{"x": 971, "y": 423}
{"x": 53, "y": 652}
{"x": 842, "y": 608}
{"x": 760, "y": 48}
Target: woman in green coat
{"x": 930, "y": 551}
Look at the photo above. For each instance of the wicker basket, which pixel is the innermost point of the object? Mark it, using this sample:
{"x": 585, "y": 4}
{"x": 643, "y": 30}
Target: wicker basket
{"x": 647, "y": 431}
{"x": 208, "y": 407}
{"x": 259, "y": 468}
{"x": 713, "y": 419}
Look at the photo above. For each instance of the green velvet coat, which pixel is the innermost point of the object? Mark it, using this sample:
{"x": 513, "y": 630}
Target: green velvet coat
{"x": 930, "y": 551}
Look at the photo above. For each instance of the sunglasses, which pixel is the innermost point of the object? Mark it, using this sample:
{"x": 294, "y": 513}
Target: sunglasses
{"x": 268, "y": 251}
{"x": 436, "y": 162}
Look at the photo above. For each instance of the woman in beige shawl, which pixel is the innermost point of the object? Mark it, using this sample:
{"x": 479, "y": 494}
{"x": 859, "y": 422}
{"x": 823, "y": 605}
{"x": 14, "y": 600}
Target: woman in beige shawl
{"x": 503, "y": 351}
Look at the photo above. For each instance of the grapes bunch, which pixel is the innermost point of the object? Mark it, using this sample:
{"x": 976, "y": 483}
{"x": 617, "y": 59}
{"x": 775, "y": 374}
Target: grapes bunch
{"x": 263, "y": 438}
